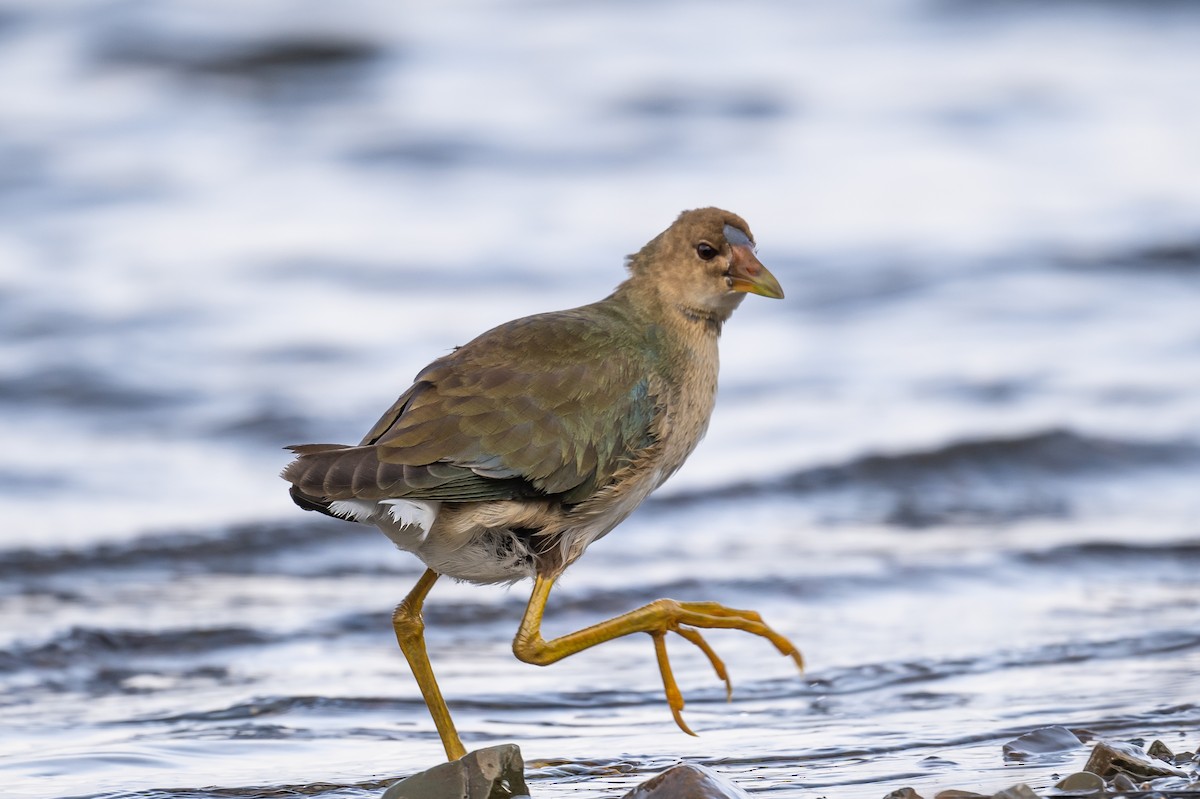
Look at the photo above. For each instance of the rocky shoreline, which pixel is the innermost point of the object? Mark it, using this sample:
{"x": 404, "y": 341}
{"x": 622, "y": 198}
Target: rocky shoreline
{"x": 1113, "y": 769}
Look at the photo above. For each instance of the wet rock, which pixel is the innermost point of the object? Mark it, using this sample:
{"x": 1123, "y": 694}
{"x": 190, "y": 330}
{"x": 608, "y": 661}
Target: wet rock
{"x": 1122, "y": 784}
{"x": 903, "y": 793}
{"x": 1161, "y": 751}
{"x": 1114, "y": 757}
{"x": 1018, "y": 791}
{"x": 954, "y": 793}
{"x": 497, "y": 772}
{"x": 1166, "y": 785}
{"x": 686, "y": 781}
{"x": 1047, "y": 741}
{"x": 1081, "y": 782}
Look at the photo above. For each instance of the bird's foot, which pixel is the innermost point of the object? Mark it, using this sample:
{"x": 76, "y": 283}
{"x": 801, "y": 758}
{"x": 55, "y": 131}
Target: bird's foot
{"x": 663, "y": 616}
{"x": 682, "y": 618}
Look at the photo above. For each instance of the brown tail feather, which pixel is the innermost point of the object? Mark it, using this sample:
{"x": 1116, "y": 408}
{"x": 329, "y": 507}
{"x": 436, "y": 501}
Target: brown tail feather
{"x": 309, "y": 449}
{"x": 325, "y": 472}
{"x": 312, "y": 503}
{"x": 322, "y": 473}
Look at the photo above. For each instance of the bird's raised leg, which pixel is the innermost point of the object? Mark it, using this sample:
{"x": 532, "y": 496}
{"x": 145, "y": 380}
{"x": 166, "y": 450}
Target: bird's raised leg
{"x": 658, "y": 618}
{"x": 410, "y": 633}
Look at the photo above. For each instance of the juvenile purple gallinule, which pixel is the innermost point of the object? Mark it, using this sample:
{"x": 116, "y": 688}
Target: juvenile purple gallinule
{"x": 509, "y": 456}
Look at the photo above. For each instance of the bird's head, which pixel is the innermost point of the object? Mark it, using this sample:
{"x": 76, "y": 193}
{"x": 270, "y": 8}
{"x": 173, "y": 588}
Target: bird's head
{"x": 705, "y": 264}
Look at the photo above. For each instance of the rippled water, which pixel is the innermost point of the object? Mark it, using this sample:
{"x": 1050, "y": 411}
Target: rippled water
{"x": 959, "y": 465}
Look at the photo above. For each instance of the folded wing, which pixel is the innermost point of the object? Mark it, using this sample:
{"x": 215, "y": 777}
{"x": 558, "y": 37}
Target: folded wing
{"x": 550, "y": 405}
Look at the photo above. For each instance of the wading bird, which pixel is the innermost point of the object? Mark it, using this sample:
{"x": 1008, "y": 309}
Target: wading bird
{"x": 510, "y": 455}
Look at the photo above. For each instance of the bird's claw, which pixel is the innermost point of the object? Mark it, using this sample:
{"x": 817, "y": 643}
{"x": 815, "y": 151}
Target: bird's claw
{"x": 670, "y": 687}
{"x": 708, "y": 615}
{"x": 717, "y": 664}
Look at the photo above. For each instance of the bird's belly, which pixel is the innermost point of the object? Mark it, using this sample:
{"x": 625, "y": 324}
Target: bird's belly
{"x": 478, "y": 542}
{"x": 491, "y": 556}
{"x": 499, "y": 541}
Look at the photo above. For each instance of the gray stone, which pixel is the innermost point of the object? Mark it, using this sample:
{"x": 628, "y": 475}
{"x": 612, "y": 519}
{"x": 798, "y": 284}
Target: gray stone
{"x": 955, "y": 793}
{"x": 497, "y": 772}
{"x": 1122, "y": 784}
{"x": 1047, "y": 741}
{"x": 903, "y": 793}
{"x": 1018, "y": 791}
{"x": 687, "y": 781}
{"x": 1114, "y": 757}
{"x": 1081, "y": 782}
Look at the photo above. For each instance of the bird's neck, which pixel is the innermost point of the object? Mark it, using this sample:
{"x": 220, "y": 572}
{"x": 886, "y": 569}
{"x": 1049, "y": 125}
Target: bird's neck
{"x": 704, "y": 322}
{"x": 687, "y": 321}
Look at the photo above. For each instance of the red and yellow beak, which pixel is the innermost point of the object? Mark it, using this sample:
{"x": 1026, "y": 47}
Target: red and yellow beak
{"x": 746, "y": 273}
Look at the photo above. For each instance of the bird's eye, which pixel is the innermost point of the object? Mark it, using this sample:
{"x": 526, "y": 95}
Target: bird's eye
{"x": 706, "y": 251}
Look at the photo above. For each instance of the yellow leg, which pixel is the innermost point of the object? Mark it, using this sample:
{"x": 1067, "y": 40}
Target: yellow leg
{"x": 410, "y": 633}
{"x": 658, "y": 618}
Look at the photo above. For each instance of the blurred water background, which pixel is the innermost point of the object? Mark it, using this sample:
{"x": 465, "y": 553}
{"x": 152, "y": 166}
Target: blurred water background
{"x": 959, "y": 465}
